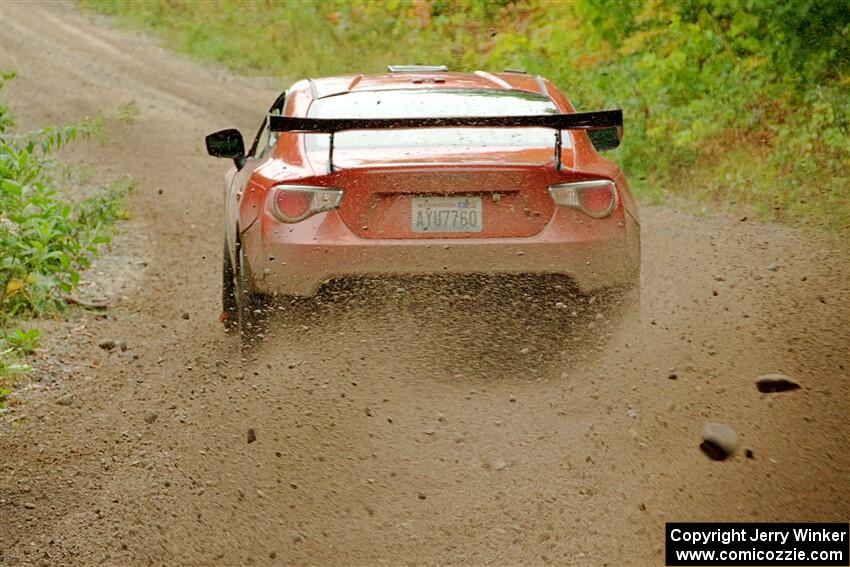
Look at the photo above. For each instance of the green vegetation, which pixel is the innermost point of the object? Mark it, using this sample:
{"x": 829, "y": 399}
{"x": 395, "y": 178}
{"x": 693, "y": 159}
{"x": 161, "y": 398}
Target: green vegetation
{"x": 46, "y": 240}
{"x": 12, "y": 347}
{"x": 740, "y": 103}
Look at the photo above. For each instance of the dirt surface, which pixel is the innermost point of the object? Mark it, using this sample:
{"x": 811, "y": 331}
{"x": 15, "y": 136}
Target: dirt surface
{"x": 407, "y": 425}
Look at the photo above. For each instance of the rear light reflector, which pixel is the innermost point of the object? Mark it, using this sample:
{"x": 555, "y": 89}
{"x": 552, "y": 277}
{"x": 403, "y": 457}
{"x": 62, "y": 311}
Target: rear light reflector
{"x": 596, "y": 198}
{"x": 294, "y": 203}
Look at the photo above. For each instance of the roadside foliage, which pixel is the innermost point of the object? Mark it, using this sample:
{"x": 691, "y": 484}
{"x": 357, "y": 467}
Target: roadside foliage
{"x": 738, "y": 103}
{"x": 48, "y": 236}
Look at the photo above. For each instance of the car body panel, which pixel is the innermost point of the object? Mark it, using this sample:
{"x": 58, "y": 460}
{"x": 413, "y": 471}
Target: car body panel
{"x": 298, "y": 259}
{"x": 377, "y": 200}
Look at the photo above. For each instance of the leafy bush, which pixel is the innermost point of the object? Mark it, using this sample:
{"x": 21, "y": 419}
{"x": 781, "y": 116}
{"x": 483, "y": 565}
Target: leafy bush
{"x": 22, "y": 341}
{"x": 45, "y": 238}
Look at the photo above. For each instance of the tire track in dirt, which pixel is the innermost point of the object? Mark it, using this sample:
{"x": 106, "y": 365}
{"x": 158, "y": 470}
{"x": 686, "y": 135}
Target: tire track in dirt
{"x": 404, "y": 426}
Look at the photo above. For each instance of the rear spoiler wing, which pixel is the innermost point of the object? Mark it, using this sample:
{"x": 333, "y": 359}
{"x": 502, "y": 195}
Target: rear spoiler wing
{"x": 607, "y": 125}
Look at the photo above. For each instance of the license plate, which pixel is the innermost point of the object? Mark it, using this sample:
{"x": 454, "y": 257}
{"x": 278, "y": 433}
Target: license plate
{"x": 446, "y": 214}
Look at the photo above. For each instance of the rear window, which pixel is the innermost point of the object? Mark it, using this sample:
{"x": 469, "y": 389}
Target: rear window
{"x": 434, "y": 103}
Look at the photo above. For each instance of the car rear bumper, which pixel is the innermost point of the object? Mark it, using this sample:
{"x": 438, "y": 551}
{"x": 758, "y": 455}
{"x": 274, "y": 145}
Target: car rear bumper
{"x": 297, "y": 259}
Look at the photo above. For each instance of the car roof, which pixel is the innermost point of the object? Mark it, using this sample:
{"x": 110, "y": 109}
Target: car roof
{"x": 332, "y": 86}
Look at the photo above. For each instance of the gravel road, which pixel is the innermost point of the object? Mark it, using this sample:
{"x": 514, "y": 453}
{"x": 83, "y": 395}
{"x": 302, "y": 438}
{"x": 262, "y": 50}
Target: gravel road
{"x": 403, "y": 425}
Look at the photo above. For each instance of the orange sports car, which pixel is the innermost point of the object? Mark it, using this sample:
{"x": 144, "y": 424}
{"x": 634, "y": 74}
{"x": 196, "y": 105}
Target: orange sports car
{"x": 423, "y": 171}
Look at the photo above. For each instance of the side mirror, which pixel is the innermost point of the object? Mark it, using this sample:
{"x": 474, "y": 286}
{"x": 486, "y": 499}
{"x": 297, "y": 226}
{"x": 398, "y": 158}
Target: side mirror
{"x": 605, "y": 138}
{"x": 227, "y": 144}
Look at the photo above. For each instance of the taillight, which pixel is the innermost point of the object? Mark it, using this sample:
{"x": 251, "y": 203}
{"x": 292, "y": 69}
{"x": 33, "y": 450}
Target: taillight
{"x": 596, "y": 198}
{"x": 294, "y": 203}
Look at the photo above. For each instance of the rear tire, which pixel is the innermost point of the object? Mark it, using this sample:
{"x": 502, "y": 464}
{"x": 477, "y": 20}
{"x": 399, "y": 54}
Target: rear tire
{"x": 249, "y": 305}
{"x": 230, "y": 313}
